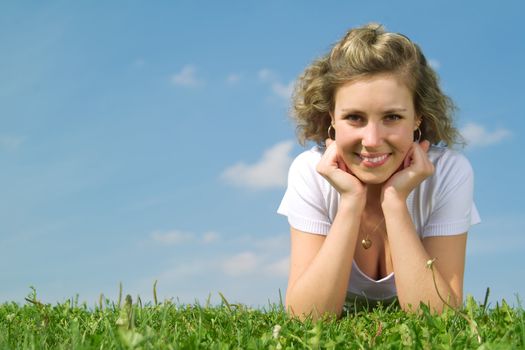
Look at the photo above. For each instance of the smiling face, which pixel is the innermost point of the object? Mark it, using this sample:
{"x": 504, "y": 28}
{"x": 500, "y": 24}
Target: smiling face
{"x": 374, "y": 120}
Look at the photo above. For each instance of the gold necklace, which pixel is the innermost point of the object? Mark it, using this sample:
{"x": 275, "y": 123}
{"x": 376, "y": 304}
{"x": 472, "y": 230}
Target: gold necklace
{"x": 367, "y": 242}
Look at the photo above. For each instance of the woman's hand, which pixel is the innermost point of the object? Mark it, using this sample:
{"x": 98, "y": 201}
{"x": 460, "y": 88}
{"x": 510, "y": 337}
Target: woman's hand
{"x": 334, "y": 170}
{"x": 415, "y": 168}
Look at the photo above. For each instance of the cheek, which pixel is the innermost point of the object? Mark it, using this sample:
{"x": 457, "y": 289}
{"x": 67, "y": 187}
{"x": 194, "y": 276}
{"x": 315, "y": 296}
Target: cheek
{"x": 347, "y": 144}
{"x": 405, "y": 148}
{"x": 345, "y": 135}
{"x": 402, "y": 140}
{"x": 347, "y": 140}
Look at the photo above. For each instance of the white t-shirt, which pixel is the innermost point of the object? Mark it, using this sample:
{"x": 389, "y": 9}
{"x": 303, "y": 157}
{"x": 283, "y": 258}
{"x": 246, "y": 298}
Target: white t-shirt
{"x": 441, "y": 205}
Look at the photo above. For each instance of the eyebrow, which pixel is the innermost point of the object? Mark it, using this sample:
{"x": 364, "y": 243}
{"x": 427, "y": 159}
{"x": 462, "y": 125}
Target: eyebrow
{"x": 390, "y": 110}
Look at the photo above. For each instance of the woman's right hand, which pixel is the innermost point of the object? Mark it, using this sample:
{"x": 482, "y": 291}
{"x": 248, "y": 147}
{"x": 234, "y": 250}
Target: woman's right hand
{"x": 334, "y": 170}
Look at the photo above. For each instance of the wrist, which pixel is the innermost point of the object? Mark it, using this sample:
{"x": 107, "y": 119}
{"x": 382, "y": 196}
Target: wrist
{"x": 393, "y": 202}
{"x": 352, "y": 203}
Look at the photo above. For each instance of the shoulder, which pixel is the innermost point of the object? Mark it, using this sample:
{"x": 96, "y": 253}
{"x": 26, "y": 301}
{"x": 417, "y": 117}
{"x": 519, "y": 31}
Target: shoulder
{"x": 303, "y": 175}
{"x": 445, "y": 200}
{"x": 449, "y": 162}
{"x": 306, "y": 162}
{"x": 453, "y": 175}
{"x": 310, "y": 156}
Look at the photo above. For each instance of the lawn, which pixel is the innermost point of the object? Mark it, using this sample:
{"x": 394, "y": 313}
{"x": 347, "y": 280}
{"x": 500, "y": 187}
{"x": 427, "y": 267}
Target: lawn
{"x": 128, "y": 323}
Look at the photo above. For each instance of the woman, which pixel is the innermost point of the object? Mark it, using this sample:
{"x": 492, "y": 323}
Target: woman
{"x": 371, "y": 205}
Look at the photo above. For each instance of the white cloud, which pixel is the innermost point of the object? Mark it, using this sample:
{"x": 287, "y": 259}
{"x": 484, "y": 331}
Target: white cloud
{"x": 478, "y": 136}
{"x": 434, "y": 63}
{"x": 283, "y": 91}
{"x": 185, "y": 269}
{"x": 233, "y": 78}
{"x": 249, "y": 262}
{"x": 267, "y": 75}
{"x": 172, "y": 237}
{"x": 139, "y": 63}
{"x": 210, "y": 237}
{"x": 252, "y": 273}
{"x": 10, "y": 143}
{"x": 279, "y": 268}
{"x": 269, "y": 172}
{"x": 177, "y": 237}
{"x": 272, "y": 243}
{"x": 280, "y": 89}
{"x": 186, "y": 77}
{"x": 241, "y": 264}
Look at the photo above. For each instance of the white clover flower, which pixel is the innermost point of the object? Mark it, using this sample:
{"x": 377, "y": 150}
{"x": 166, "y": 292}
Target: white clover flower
{"x": 276, "y": 331}
{"x": 430, "y": 263}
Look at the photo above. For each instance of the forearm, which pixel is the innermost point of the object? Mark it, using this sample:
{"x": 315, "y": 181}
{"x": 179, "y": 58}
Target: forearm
{"x": 322, "y": 287}
{"x": 415, "y": 282}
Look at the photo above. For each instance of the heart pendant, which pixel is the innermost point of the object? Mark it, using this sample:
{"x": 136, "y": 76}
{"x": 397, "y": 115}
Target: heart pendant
{"x": 366, "y": 243}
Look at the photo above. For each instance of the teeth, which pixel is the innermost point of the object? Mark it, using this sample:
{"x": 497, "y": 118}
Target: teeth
{"x": 375, "y": 159}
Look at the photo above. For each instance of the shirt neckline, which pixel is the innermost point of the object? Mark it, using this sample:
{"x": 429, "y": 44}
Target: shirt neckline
{"x": 384, "y": 279}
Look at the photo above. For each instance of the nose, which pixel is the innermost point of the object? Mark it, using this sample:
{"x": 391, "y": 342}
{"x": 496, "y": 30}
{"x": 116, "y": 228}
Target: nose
{"x": 372, "y": 135}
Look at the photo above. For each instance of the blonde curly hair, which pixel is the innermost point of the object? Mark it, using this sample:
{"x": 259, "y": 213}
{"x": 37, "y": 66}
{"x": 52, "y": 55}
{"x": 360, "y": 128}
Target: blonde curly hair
{"x": 363, "y": 52}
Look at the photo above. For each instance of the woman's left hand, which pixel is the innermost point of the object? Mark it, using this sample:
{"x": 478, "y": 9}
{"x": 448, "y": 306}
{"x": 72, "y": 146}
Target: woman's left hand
{"x": 415, "y": 168}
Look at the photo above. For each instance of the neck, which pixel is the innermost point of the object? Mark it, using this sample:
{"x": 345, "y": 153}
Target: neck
{"x": 373, "y": 197}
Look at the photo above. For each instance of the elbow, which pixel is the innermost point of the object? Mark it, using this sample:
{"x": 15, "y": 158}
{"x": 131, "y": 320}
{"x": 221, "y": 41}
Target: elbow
{"x": 313, "y": 312}
{"x": 436, "y": 305}
{"x": 296, "y": 311}
{"x": 312, "y": 306}
{"x": 454, "y": 300}
{"x": 301, "y": 316}
{"x": 312, "y": 315}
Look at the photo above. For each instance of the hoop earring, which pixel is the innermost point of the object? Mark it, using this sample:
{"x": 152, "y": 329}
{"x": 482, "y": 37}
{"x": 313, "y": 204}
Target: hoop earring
{"x": 419, "y": 135}
{"x": 330, "y": 129}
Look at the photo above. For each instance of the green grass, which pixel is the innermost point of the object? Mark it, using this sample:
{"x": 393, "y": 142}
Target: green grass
{"x": 165, "y": 325}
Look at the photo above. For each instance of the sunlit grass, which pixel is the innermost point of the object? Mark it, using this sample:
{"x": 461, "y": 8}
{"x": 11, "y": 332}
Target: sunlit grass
{"x": 165, "y": 325}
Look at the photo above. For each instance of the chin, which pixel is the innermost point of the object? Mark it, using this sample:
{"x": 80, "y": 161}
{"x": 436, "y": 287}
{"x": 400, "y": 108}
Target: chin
{"x": 372, "y": 177}
{"x": 375, "y": 176}
{"x": 372, "y": 180}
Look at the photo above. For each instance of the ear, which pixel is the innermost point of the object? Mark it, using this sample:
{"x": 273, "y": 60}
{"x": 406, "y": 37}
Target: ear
{"x": 331, "y": 113}
{"x": 419, "y": 120}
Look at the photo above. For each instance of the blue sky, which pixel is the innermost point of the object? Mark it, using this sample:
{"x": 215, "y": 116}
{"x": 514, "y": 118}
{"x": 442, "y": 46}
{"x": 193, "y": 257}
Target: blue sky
{"x": 144, "y": 141}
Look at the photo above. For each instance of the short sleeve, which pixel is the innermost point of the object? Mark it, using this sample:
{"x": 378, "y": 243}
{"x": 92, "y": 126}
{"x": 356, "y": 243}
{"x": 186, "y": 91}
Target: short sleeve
{"x": 453, "y": 209}
{"x": 304, "y": 200}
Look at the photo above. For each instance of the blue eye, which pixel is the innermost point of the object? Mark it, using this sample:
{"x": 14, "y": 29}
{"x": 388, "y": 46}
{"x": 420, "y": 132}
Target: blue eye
{"x": 353, "y": 117}
{"x": 393, "y": 117}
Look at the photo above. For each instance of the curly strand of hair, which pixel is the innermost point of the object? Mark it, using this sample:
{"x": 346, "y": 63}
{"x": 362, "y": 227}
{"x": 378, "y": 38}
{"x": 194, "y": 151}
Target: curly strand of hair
{"x": 362, "y": 52}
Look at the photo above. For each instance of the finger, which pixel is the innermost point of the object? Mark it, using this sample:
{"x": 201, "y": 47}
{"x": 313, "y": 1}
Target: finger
{"x": 420, "y": 157}
{"x": 330, "y": 156}
{"x": 340, "y": 162}
{"x": 334, "y": 153}
{"x": 328, "y": 142}
{"x": 342, "y": 165}
{"x": 408, "y": 158}
{"x": 425, "y": 145}
{"x": 417, "y": 152}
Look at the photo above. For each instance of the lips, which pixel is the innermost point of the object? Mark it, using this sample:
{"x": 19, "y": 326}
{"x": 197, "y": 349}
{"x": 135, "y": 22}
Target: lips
{"x": 373, "y": 160}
